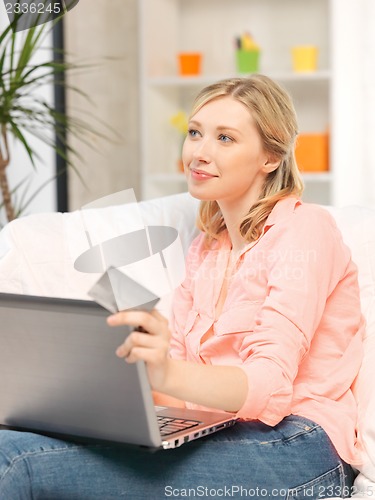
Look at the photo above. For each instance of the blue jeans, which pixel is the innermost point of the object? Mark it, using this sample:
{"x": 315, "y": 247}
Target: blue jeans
{"x": 293, "y": 460}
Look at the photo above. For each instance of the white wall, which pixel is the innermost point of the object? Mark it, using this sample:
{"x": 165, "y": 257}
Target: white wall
{"x": 107, "y": 39}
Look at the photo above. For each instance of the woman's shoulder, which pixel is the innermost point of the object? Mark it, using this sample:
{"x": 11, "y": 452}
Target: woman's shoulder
{"x": 301, "y": 212}
{"x": 307, "y": 224}
{"x": 315, "y": 217}
{"x": 198, "y": 242}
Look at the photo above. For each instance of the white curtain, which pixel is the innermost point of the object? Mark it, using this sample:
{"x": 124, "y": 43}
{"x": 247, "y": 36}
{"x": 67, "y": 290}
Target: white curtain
{"x": 353, "y": 102}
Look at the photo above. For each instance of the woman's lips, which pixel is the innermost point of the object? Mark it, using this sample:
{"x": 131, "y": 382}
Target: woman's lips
{"x": 201, "y": 175}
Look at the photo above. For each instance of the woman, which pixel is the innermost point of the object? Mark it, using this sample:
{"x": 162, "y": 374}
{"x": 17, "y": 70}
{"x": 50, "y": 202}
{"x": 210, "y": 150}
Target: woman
{"x": 267, "y": 324}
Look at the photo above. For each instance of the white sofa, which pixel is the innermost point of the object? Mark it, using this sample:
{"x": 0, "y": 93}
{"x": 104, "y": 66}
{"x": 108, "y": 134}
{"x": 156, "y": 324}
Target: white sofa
{"x": 37, "y": 255}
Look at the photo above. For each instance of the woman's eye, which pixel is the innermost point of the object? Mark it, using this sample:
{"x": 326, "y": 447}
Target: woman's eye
{"x": 193, "y": 133}
{"x": 225, "y": 138}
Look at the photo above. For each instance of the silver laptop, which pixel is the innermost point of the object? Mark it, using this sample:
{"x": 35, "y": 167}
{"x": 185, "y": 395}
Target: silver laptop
{"x": 59, "y": 375}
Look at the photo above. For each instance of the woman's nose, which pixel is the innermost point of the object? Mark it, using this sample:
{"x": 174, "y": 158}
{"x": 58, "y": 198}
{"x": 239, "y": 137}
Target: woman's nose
{"x": 202, "y": 150}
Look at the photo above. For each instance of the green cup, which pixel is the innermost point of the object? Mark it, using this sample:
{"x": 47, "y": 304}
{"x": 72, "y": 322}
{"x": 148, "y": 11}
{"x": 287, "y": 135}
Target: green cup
{"x": 247, "y": 61}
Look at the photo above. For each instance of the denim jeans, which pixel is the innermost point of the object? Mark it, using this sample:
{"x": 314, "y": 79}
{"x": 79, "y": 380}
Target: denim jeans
{"x": 293, "y": 460}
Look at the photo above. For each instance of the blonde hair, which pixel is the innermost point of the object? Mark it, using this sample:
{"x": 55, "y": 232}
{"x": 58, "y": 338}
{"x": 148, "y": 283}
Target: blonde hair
{"x": 273, "y": 112}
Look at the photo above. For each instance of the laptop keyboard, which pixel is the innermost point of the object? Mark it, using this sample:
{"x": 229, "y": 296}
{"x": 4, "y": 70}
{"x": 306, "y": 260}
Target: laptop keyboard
{"x": 169, "y": 425}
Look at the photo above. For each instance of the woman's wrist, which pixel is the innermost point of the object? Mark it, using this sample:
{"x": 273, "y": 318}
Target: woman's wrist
{"x": 221, "y": 387}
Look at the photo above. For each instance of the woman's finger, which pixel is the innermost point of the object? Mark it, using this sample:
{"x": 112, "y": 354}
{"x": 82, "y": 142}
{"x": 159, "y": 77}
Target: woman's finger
{"x": 135, "y": 341}
{"x": 152, "y": 322}
{"x": 149, "y": 356}
{"x": 128, "y": 318}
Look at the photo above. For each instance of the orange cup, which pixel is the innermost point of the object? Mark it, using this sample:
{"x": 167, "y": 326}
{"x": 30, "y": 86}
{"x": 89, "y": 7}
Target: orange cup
{"x": 189, "y": 63}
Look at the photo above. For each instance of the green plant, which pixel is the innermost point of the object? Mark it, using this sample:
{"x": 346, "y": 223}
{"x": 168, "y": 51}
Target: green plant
{"x": 24, "y": 110}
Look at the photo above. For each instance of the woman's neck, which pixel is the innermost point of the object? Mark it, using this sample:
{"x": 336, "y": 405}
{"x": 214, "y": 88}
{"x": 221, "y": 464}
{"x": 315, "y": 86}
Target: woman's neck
{"x": 238, "y": 242}
{"x": 233, "y": 215}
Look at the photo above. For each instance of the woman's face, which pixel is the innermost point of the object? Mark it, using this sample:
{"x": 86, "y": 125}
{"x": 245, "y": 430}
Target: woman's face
{"x": 223, "y": 155}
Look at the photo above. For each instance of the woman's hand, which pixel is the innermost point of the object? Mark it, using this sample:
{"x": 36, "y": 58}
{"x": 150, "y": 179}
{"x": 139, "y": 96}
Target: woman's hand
{"x": 151, "y": 347}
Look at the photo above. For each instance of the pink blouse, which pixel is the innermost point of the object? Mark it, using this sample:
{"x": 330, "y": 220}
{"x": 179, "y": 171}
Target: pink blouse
{"x": 291, "y": 320}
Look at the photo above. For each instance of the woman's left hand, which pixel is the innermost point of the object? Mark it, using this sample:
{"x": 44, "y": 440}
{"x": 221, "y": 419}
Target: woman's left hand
{"x": 151, "y": 347}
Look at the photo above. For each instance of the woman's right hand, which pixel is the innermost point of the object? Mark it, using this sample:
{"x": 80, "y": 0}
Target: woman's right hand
{"x": 151, "y": 347}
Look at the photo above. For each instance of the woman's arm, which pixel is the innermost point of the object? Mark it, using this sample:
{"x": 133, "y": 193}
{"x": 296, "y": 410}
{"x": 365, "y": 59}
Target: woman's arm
{"x": 165, "y": 400}
{"x": 221, "y": 387}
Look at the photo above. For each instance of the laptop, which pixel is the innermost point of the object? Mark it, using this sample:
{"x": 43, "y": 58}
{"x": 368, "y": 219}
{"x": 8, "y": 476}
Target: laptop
{"x": 60, "y": 376}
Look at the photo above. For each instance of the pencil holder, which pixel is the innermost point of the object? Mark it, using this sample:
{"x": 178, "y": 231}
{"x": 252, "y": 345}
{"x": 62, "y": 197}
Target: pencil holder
{"x": 247, "y": 61}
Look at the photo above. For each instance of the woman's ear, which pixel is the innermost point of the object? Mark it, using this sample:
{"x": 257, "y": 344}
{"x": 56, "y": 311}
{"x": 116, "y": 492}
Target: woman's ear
{"x": 270, "y": 165}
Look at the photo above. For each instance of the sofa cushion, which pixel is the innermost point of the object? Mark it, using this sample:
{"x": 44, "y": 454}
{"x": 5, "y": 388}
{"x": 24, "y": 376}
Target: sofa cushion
{"x": 38, "y": 252}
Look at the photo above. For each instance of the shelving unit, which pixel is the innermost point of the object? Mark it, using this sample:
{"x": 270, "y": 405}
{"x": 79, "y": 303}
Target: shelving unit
{"x": 210, "y": 27}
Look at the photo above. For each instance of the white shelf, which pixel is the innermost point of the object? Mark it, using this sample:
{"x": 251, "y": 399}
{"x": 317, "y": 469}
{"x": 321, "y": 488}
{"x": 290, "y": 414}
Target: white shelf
{"x": 317, "y": 176}
{"x": 202, "y": 80}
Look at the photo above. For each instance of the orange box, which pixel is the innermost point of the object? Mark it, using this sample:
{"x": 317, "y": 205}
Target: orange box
{"x": 312, "y": 152}
{"x": 189, "y": 63}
